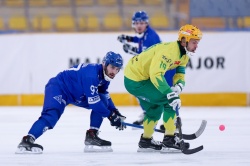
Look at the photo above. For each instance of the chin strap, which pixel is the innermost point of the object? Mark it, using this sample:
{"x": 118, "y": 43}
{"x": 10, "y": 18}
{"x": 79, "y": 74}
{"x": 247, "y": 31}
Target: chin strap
{"x": 107, "y": 78}
{"x": 188, "y": 53}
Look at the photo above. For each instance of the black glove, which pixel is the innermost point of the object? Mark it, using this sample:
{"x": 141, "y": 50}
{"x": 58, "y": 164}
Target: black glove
{"x": 130, "y": 49}
{"x": 116, "y": 119}
{"x": 123, "y": 38}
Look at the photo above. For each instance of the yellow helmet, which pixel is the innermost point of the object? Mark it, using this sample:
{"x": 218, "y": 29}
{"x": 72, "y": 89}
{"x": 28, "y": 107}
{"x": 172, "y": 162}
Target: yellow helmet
{"x": 189, "y": 31}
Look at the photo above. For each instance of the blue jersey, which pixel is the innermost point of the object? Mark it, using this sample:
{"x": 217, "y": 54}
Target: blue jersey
{"x": 149, "y": 38}
{"x": 82, "y": 85}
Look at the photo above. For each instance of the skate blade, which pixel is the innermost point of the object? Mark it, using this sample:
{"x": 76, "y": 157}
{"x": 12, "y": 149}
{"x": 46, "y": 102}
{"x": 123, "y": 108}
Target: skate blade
{"x": 34, "y": 150}
{"x": 147, "y": 150}
{"x": 92, "y": 148}
{"x": 169, "y": 150}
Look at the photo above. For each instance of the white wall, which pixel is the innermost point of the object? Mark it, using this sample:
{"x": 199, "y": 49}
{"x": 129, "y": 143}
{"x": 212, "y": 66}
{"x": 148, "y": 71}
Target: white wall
{"x": 29, "y": 60}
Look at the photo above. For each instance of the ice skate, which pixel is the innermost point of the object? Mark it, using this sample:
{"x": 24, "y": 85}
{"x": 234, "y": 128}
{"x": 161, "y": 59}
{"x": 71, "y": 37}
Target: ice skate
{"x": 27, "y": 146}
{"x": 140, "y": 120}
{"x": 170, "y": 144}
{"x": 149, "y": 145}
{"x": 95, "y": 144}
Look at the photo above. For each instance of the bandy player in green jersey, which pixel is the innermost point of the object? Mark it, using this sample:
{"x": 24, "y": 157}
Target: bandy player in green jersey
{"x": 144, "y": 78}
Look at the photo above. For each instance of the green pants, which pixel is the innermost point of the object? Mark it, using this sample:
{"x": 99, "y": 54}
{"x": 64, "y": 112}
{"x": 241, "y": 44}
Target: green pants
{"x": 151, "y": 99}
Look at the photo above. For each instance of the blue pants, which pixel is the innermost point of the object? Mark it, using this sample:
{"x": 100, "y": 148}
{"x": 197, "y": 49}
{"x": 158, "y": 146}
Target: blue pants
{"x": 55, "y": 102}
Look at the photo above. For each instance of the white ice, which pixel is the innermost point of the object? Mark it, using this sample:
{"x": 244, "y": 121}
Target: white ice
{"x": 65, "y": 143}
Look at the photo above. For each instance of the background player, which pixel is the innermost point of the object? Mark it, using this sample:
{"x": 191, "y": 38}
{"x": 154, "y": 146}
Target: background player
{"x": 147, "y": 38}
{"x": 148, "y": 84}
{"x": 84, "y": 85}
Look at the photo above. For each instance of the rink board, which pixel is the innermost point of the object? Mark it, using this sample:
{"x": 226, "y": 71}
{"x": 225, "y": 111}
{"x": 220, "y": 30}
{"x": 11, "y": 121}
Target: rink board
{"x": 213, "y": 99}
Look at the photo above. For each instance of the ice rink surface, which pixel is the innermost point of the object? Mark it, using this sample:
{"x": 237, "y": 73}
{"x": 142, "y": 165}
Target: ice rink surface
{"x": 64, "y": 144}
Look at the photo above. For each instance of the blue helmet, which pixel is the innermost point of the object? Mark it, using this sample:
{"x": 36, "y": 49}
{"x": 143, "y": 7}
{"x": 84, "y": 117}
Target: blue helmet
{"x": 140, "y": 16}
{"x": 113, "y": 59}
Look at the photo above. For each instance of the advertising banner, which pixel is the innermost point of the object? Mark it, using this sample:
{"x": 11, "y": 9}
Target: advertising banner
{"x": 220, "y": 65}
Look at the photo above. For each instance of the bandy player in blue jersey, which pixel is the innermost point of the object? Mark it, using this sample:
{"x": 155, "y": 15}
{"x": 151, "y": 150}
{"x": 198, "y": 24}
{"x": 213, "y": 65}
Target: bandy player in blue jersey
{"x": 147, "y": 38}
{"x": 84, "y": 85}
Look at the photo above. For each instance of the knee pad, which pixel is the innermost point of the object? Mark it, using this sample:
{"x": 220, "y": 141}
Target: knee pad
{"x": 168, "y": 113}
{"x": 50, "y": 117}
{"x": 154, "y": 112}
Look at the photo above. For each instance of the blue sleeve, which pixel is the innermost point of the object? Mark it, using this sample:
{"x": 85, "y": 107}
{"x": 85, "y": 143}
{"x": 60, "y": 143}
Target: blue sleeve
{"x": 135, "y": 39}
{"x": 154, "y": 39}
{"x": 103, "y": 89}
{"x": 92, "y": 95}
{"x": 111, "y": 105}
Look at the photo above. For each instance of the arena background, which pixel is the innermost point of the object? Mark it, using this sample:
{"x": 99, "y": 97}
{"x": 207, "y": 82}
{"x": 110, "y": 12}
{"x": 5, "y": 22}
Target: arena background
{"x": 39, "y": 38}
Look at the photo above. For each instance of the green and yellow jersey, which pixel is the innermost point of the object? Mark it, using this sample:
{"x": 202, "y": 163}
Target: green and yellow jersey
{"x": 155, "y": 61}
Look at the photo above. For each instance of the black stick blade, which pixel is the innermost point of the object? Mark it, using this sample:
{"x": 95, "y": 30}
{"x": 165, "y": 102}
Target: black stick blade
{"x": 192, "y": 151}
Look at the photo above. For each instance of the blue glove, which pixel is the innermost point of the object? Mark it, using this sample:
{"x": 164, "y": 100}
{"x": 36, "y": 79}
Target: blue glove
{"x": 119, "y": 114}
{"x": 116, "y": 119}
